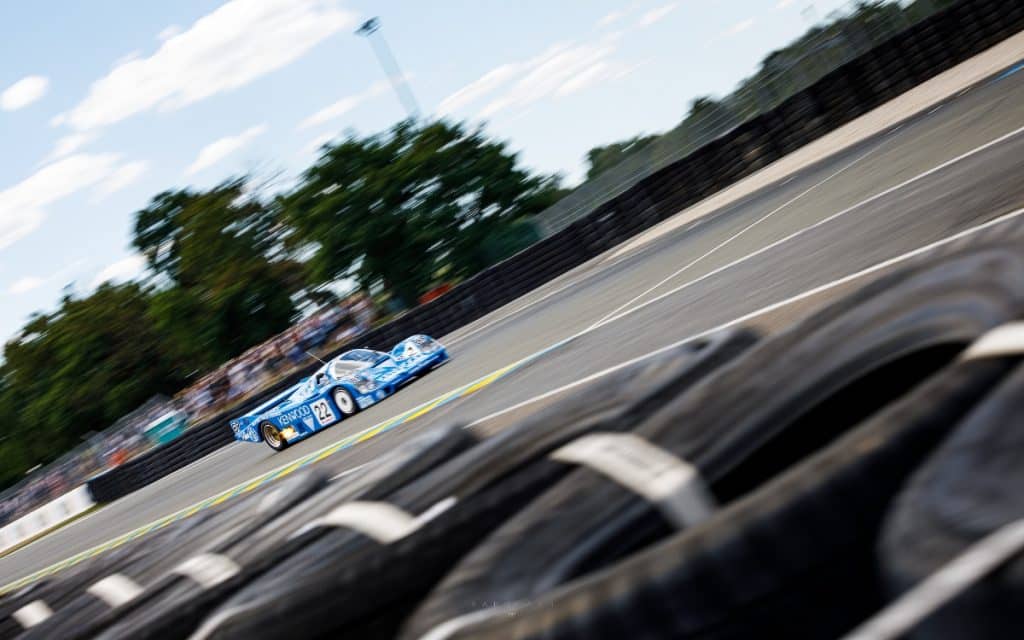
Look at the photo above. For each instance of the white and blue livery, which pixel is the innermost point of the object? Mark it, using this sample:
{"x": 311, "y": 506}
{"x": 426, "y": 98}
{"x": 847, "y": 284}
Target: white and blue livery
{"x": 340, "y": 388}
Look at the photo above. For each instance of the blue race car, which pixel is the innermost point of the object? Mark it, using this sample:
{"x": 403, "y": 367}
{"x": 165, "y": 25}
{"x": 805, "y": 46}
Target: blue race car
{"x": 342, "y": 387}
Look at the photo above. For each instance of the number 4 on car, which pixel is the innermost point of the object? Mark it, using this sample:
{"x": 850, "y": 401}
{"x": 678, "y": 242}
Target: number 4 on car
{"x": 340, "y": 388}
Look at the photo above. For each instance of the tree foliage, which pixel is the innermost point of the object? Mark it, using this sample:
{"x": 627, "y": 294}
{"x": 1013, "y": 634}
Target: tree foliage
{"x": 400, "y": 209}
{"x": 216, "y": 251}
{"x": 219, "y": 285}
{"x": 188, "y": 235}
{"x": 76, "y": 370}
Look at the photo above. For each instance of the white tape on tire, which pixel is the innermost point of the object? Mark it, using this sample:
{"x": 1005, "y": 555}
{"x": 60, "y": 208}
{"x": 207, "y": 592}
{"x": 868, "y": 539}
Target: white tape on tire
{"x": 115, "y": 590}
{"x": 659, "y": 476}
{"x": 435, "y": 510}
{"x": 269, "y": 500}
{"x": 381, "y": 521}
{"x": 1004, "y": 340}
{"x": 207, "y": 569}
{"x": 32, "y": 613}
{"x": 947, "y": 583}
{"x": 449, "y": 628}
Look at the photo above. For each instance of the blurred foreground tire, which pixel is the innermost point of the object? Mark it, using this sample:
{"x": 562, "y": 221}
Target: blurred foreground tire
{"x": 973, "y": 485}
{"x": 793, "y": 559}
{"x": 140, "y": 559}
{"x": 787, "y": 398}
{"x": 171, "y": 604}
{"x": 348, "y": 583}
{"x": 145, "y": 559}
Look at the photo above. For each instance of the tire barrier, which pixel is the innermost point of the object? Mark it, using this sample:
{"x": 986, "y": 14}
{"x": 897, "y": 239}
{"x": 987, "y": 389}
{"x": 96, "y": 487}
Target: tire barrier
{"x": 805, "y": 470}
{"x": 262, "y": 524}
{"x": 799, "y": 485}
{"x": 66, "y": 592}
{"x": 922, "y": 51}
{"x": 968, "y": 490}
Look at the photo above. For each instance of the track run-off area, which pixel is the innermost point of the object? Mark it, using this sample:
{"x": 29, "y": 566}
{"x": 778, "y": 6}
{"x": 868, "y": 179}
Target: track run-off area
{"x": 765, "y": 259}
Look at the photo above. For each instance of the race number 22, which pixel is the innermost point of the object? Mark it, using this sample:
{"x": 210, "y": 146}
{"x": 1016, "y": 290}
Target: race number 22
{"x": 323, "y": 412}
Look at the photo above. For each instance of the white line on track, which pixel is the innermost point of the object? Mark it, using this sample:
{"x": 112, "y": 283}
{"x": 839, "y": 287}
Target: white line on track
{"x": 349, "y": 471}
{"x": 605, "y": 261}
{"x": 624, "y": 256}
{"x": 611, "y": 318}
{"x": 739, "y": 233}
{"x": 522, "y": 308}
{"x": 754, "y": 314}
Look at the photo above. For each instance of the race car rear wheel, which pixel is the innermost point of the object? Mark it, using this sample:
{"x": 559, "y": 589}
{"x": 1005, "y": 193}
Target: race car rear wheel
{"x": 345, "y": 403}
{"x": 273, "y": 437}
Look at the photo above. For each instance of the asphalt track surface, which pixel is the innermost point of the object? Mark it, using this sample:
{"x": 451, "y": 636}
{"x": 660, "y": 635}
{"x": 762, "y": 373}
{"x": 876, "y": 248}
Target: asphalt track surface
{"x": 940, "y": 173}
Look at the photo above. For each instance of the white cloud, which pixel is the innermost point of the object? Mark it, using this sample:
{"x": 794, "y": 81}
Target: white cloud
{"x": 217, "y": 150}
{"x": 23, "y": 92}
{"x": 612, "y": 17}
{"x": 561, "y": 70}
{"x": 26, "y": 284}
{"x": 123, "y": 176}
{"x": 120, "y": 271}
{"x": 584, "y": 79}
{"x": 487, "y": 83}
{"x": 739, "y": 27}
{"x": 131, "y": 56}
{"x": 556, "y": 73}
{"x": 656, "y": 15}
{"x": 22, "y": 206}
{"x": 69, "y": 144}
{"x": 235, "y": 44}
{"x": 168, "y": 32}
{"x": 784, "y": 4}
{"x": 346, "y": 104}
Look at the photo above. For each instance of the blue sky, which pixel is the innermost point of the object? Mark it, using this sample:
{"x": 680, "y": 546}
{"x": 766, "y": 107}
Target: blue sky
{"x": 105, "y": 103}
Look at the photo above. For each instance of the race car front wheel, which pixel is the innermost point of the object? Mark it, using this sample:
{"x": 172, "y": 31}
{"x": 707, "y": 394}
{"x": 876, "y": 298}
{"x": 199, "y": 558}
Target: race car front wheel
{"x": 273, "y": 437}
{"x": 346, "y": 405}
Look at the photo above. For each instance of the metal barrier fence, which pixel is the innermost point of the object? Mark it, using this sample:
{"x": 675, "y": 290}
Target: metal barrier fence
{"x": 828, "y": 48}
{"x": 918, "y": 52}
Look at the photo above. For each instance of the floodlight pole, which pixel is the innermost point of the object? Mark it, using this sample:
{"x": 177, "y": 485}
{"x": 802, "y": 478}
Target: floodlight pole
{"x": 371, "y": 28}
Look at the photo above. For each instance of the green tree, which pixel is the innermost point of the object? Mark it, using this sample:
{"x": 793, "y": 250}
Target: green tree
{"x": 401, "y": 208}
{"x": 222, "y": 284}
{"x": 186, "y": 235}
{"x": 78, "y": 370}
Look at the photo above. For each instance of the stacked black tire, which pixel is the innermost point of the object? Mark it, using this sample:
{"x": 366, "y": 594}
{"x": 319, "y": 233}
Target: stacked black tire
{"x": 850, "y": 457}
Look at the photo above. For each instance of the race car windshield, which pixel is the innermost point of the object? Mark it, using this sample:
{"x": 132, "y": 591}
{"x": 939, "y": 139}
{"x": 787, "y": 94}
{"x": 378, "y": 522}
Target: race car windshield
{"x": 340, "y": 368}
{"x": 361, "y": 355}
